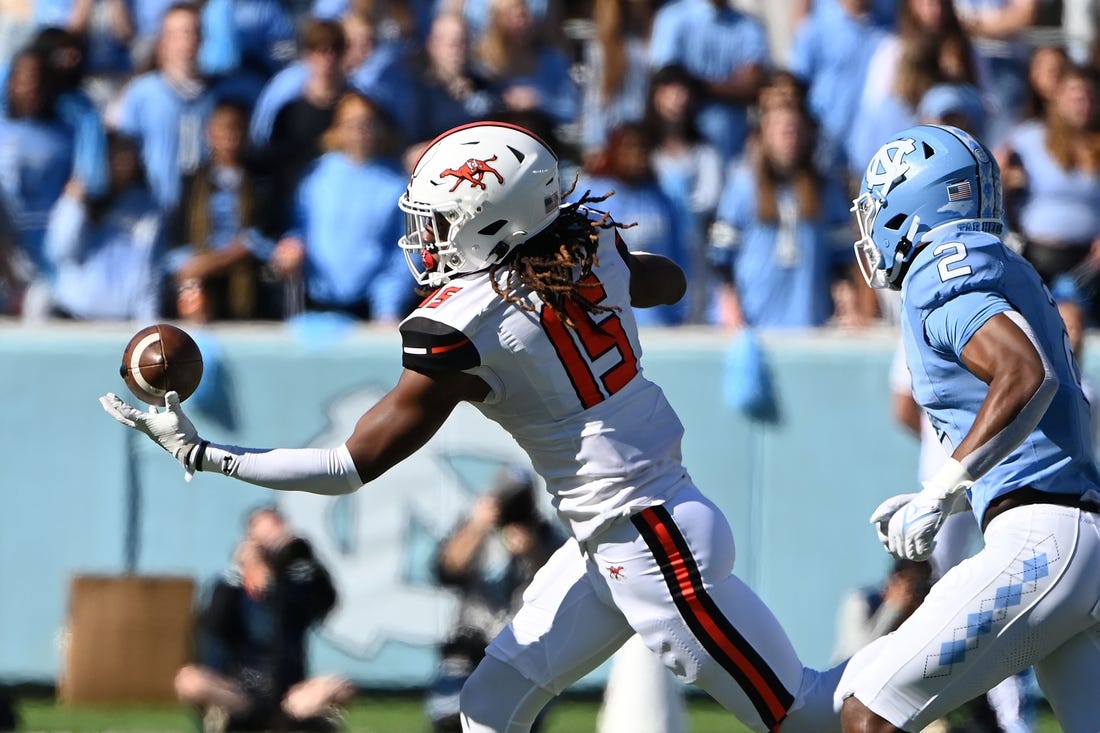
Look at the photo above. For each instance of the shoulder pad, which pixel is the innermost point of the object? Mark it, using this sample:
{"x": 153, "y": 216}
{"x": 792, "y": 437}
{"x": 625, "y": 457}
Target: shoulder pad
{"x": 432, "y": 346}
{"x": 957, "y": 262}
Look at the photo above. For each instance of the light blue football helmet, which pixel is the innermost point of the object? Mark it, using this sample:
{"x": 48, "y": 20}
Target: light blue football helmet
{"x": 924, "y": 178}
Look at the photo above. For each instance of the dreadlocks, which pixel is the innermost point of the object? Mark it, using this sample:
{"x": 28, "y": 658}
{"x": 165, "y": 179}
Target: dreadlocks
{"x": 555, "y": 262}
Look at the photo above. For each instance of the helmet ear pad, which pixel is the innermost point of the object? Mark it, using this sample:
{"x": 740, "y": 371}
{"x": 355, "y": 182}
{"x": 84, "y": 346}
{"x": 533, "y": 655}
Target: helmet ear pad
{"x": 495, "y": 184}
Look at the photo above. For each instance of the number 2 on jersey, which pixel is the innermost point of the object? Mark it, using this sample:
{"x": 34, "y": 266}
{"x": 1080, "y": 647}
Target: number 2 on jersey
{"x": 595, "y": 340}
{"x": 946, "y": 271}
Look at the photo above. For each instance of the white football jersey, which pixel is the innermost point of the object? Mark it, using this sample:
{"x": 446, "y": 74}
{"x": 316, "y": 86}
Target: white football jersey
{"x": 604, "y": 438}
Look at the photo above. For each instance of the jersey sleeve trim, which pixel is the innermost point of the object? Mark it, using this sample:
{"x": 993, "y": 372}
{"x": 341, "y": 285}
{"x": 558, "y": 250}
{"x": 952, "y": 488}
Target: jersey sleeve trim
{"x": 431, "y": 346}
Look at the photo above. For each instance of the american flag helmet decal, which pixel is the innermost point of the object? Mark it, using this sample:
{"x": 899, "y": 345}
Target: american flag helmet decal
{"x": 959, "y": 191}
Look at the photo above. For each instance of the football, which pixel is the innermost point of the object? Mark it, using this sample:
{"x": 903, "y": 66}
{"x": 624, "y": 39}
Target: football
{"x": 159, "y": 359}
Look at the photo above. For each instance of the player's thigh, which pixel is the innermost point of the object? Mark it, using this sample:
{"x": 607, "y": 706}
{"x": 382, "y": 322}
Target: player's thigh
{"x": 1014, "y": 602}
{"x": 670, "y": 572}
{"x": 564, "y": 629}
{"x": 1067, "y": 679}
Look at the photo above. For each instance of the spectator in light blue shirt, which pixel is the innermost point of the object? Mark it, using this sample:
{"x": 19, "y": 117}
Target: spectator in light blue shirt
{"x": 689, "y": 170}
{"x": 1053, "y": 171}
{"x": 647, "y": 213}
{"x": 36, "y": 152}
{"x": 617, "y": 64}
{"x": 250, "y": 38}
{"x": 727, "y": 51}
{"x": 64, "y": 54}
{"x": 344, "y": 243}
{"x": 106, "y": 251}
{"x": 217, "y": 245}
{"x": 167, "y": 109}
{"x": 929, "y": 48}
{"x": 781, "y": 231}
{"x": 998, "y": 29}
{"x": 526, "y": 68}
{"x": 830, "y": 52}
{"x": 451, "y": 92}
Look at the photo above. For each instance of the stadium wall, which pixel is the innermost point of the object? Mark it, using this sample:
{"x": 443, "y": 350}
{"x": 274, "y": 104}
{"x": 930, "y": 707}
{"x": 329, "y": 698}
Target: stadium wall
{"x": 83, "y": 495}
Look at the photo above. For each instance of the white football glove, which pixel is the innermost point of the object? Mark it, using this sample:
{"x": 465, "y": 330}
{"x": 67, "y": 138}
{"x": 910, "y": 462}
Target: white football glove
{"x": 912, "y": 520}
{"x": 912, "y": 530}
{"x": 881, "y": 516}
{"x": 170, "y": 429}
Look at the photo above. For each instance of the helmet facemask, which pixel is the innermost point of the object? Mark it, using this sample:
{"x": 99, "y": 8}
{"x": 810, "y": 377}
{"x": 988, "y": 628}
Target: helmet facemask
{"x": 872, "y": 262}
{"x": 868, "y": 255}
{"x": 430, "y": 232}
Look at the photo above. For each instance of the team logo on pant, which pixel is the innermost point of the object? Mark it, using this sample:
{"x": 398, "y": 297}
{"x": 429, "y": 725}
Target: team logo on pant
{"x": 473, "y": 172}
{"x": 616, "y": 572}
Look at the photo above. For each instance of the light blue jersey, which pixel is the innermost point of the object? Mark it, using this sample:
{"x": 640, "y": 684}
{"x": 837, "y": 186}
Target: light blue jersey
{"x": 349, "y": 237}
{"x": 713, "y": 43}
{"x": 782, "y": 269}
{"x": 956, "y": 283}
{"x": 169, "y": 122}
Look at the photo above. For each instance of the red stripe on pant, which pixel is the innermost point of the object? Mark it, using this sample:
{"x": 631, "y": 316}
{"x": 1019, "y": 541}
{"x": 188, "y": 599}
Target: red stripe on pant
{"x": 693, "y": 601}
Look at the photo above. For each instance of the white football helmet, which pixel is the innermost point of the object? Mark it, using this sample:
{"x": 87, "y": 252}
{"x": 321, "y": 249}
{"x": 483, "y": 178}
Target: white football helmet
{"x": 476, "y": 193}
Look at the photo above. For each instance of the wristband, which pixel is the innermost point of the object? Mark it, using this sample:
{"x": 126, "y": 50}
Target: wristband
{"x": 200, "y": 454}
{"x": 194, "y": 458}
{"x": 950, "y": 480}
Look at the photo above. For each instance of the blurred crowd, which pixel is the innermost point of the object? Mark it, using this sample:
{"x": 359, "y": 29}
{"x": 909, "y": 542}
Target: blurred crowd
{"x": 242, "y": 159}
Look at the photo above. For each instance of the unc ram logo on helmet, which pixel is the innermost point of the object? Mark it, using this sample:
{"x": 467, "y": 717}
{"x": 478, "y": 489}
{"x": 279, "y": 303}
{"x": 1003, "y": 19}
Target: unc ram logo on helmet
{"x": 927, "y": 177}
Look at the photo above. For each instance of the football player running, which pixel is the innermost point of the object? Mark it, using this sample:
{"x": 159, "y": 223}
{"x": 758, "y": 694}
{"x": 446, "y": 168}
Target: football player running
{"x": 530, "y": 320}
{"x": 992, "y": 368}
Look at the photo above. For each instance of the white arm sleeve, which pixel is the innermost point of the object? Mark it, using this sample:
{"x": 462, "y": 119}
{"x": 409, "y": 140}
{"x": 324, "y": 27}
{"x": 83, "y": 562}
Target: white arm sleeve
{"x": 998, "y": 447}
{"x": 316, "y": 470}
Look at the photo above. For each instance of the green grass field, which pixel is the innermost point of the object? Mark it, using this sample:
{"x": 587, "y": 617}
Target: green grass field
{"x": 367, "y": 715}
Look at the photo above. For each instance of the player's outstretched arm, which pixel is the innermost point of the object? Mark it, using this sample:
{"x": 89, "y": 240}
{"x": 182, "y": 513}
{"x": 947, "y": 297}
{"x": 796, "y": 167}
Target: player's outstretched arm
{"x": 654, "y": 280}
{"x": 400, "y": 423}
{"x": 411, "y": 413}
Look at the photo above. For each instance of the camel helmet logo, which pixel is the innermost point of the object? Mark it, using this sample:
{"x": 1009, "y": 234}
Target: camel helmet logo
{"x": 473, "y": 172}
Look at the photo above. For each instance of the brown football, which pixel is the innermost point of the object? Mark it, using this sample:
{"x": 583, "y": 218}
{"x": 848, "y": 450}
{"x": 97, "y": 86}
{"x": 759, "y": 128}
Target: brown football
{"x": 159, "y": 359}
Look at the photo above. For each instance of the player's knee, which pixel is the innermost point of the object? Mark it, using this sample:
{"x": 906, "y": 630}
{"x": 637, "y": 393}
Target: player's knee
{"x": 498, "y": 699}
{"x": 855, "y": 717}
{"x": 189, "y": 684}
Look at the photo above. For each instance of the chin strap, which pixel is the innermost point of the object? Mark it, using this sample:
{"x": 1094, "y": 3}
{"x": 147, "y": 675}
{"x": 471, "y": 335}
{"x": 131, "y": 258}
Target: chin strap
{"x": 903, "y": 251}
